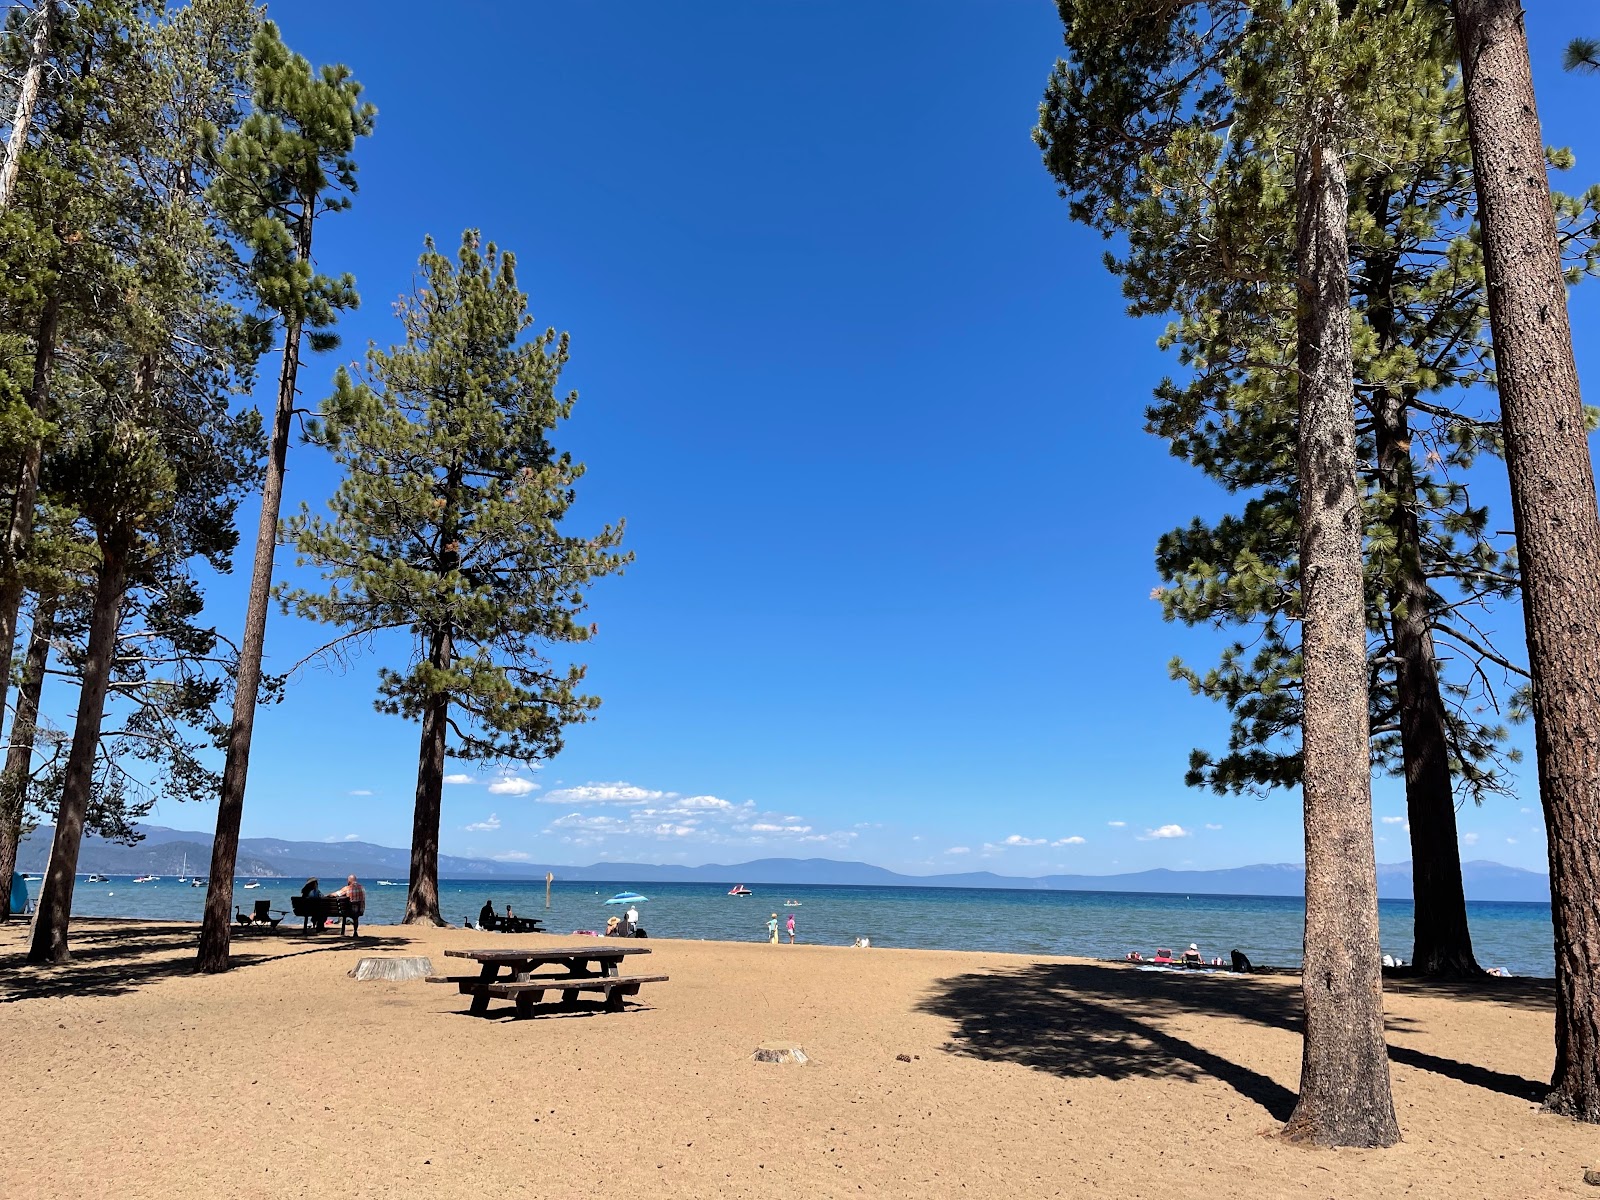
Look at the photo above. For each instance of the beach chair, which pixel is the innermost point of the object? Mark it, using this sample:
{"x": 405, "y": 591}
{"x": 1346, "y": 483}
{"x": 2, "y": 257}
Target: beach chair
{"x": 261, "y": 916}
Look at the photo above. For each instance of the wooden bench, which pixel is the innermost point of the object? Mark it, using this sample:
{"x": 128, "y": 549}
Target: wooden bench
{"x": 531, "y": 991}
{"x": 514, "y": 925}
{"x": 325, "y": 908}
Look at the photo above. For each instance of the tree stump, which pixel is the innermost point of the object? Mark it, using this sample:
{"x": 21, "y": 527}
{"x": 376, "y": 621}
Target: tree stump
{"x": 774, "y": 1052}
{"x": 394, "y": 968}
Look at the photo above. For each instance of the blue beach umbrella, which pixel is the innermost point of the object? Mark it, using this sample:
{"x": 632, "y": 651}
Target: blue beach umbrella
{"x": 626, "y": 898}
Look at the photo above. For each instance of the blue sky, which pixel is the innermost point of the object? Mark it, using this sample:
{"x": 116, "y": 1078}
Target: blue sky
{"x": 872, "y": 410}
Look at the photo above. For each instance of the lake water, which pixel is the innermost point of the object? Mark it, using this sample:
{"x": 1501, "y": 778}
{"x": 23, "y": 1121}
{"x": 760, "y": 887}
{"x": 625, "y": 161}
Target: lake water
{"x": 1516, "y": 936}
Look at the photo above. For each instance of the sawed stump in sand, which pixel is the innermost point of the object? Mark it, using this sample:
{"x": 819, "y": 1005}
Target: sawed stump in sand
{"x": 393, "y": 967}
{"x": 774, "y": 1052}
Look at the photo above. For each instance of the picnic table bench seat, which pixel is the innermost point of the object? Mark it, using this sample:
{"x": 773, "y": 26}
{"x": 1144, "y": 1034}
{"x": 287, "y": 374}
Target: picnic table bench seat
{"x": 325, "y": 908}
{"x": 530, "y": 991}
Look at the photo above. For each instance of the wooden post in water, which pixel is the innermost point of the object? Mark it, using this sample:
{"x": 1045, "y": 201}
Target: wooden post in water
{"x": 548, "y": 880}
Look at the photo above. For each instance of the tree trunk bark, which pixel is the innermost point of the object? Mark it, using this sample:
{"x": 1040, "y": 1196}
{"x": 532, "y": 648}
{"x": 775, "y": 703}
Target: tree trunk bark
{"x": 1344, "y": 1076}
{"x": 1442, "y": 942}
{"x": 422, "y": 898}
{"x": 1553, "y": 504}
{"x": 19, "y": 529}
{"x": 19, "y": 756}
{"x": 216, "y": 924}
{"x": 27, "y": 100}
{"x": 55, "y": 895}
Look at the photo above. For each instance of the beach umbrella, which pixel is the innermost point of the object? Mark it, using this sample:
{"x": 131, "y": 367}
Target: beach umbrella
{"x": 626, "y": 898}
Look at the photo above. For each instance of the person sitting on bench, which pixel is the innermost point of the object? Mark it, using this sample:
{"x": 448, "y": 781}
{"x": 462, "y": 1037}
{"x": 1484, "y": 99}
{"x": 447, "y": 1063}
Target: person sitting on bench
{"x": 486, "y": 917}
{"x": 313, "y": 891}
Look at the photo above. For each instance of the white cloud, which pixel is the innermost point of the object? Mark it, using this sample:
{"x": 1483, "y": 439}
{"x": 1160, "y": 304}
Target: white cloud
{"x": 1511, "y": 841}
{"x": 1211, "y": 826}
{"x": 959, "y": 850}
{"x": 1471, "y": 839}
{"x": 512, "y": 785}
{"x": 1526, "y": 810}
{"x": 768, "y": 827}
{"x": 1166, "y": 831}
{"x": 1391, "y": 820}
{"x": 1016, "y": 839}
{"x": 360, "y": 792}
{"x": 585, "y": 821}
{"x": 704, "y": 802}
{"x": 1116, "y": 824}
{"x": 457, "y": 779}
{"x": 352, "y": 837}
{"x": 486, "y": 826}
{"x": 513, "y": 856}
{"x": 609, "y": 793}
{"x": 1069, "y": 841}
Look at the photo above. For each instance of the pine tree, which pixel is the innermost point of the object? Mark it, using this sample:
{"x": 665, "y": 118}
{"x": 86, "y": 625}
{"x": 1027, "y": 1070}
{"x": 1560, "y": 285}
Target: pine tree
{"x": 1554, "y": 507}
{"x": 1432, "y": 561}
{"x": 150, "y": 460}
{"x": 43, "y": 20}
{"x": 1139, "y": 123}
{"x": 288, "y": 164}
{"x": 449, "y": 524}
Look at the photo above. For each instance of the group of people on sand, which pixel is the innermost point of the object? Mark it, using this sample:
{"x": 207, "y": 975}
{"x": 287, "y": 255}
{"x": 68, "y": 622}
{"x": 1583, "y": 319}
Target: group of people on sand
{"x": 772, "y": 929}
{"x": 1189, "y": 958}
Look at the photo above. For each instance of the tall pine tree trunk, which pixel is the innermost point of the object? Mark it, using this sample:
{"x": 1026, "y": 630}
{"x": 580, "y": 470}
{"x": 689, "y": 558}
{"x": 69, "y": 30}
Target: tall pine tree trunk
{"x": 214, "y": 929}
{"x": 24, "y": 497}
{"x": 1442, "y": 942}
{"x": 55, "y": 895}
{"x": 1344, "y": 1075}
{"x": 27, "y": 99}
{"x": 19, "y": 756}
{"x": 1553, "y": 504}
{"x": 422, "y": 898}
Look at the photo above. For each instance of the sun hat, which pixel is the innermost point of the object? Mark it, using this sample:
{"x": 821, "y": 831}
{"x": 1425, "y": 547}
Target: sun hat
{"x": 1192, "y": 946}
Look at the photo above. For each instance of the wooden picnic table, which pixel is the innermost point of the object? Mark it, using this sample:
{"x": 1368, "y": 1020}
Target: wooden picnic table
{"x": 513, "y": 973}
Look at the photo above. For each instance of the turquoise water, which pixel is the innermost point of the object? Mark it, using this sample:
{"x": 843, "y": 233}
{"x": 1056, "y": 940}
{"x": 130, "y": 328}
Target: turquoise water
{"x": 1269, "y": 929}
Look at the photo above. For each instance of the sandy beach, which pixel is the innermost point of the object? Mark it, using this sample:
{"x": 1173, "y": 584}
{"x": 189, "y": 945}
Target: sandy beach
{"x": 127, "y": 1075}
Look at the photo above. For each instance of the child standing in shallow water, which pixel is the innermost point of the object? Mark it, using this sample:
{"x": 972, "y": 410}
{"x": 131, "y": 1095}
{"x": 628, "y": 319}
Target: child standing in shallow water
{"x": 772, "y": 929}
{"x": 791, "y": 929}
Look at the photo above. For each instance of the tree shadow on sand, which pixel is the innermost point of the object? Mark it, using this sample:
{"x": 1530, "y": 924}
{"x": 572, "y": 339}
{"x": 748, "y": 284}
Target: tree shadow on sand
{"x": 1081, "y": 1021}
{"x": 111, "y": 958}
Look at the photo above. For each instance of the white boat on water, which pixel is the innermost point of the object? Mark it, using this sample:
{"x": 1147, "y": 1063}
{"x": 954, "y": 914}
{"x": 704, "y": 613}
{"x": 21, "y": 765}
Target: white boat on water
{"x": 251, "y": 884}
{"x": 791, "y": 904}
{"x": 387, "y": 883}
{"x": 145, "y": 878}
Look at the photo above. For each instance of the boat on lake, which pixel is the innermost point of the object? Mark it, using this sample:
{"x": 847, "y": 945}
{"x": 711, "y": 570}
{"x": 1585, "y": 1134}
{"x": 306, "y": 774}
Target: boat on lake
{"x": 791, "y": 904}
{"x": 739, "y": 889}
{"x": 95, "y": 878}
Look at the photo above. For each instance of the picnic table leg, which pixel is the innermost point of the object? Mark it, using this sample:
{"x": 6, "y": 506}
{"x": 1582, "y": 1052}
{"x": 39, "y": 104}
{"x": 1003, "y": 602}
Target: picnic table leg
{"x": 480, "y": 998}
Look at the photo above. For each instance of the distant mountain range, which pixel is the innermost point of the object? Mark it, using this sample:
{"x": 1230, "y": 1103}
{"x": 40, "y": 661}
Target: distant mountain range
{"x": 172, "y": 851}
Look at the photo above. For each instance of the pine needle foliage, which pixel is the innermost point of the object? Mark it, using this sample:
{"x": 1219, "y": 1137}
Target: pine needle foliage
{"x": 451, "y": 523}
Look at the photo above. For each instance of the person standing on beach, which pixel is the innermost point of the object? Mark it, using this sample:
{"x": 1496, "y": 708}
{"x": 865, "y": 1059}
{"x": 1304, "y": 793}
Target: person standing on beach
{"x": 791, "y": 929}
{"x": 772, "y": 929}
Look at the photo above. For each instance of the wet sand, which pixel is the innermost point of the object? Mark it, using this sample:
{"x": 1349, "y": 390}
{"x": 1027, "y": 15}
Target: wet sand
{"x": 125, "y": 1074}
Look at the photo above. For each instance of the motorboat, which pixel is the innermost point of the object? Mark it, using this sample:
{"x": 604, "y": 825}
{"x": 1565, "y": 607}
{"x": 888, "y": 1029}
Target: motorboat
{"x": 739, "y": 889}
{"x": 252, "y": 884}
{"x": 98, "y": 878}
{"x": 144, "y": 878}
{"x": 387, "y": 883}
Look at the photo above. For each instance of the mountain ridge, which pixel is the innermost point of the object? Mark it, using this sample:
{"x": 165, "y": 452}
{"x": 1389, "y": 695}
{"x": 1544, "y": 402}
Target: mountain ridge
{"x": 165, "y": 851}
